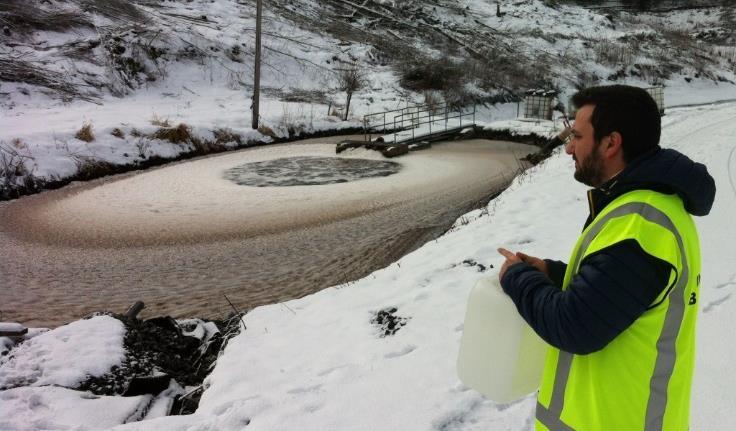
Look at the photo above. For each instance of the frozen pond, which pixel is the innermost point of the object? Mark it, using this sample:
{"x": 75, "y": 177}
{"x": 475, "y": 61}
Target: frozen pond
{"x": 180, "y": 236}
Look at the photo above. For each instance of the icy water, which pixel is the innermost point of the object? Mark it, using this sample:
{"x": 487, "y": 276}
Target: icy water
{"x": 181, "y": 236}
{"x": 308, "y": 171}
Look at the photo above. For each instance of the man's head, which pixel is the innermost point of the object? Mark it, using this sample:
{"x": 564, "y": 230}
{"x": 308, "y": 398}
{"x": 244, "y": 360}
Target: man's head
{"x": 613, "y": 126}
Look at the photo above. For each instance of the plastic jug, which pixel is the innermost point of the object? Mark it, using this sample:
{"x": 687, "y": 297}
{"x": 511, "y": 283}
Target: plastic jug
{"x": 500, "y": 355}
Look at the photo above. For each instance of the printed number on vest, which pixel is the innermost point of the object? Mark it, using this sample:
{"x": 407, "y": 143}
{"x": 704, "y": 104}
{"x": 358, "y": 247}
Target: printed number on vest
{"x": 693, "y": 298}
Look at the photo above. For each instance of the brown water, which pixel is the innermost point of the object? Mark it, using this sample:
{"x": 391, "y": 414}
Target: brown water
{"x": 179, "y": 237}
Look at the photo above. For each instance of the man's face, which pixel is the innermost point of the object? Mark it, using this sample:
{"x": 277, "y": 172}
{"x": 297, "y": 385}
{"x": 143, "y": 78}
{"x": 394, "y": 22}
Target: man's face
{"x": 584, "y": 150}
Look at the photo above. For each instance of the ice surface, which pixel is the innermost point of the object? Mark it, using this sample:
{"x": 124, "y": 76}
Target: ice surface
{"x": 308, "y": 171}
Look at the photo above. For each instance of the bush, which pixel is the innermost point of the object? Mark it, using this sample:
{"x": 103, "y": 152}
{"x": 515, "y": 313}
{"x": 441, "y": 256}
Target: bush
{"x": 85, "y": 133}
{"x": 89, "y": 168}
{"x": 610, "y": 53}
{"x": 422, "y": 74}
{"x": 176, "y": 135}
{"x": 116, "y": 132}
{"x": 11, "y": 166}
{"x": 267, "y": 131}
{"x": 223, "y": 136}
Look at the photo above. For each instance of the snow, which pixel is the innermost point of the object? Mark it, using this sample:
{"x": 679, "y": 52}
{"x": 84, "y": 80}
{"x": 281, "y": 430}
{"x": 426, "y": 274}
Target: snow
{"x": 53, "y": 408}
{"x": 11, "y": 327}
{"x": 65, "y": 356}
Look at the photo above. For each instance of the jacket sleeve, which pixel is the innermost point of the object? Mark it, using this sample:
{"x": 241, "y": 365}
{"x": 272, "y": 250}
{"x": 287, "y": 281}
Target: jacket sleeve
{"x": 556, "y": 271}
{"x": 612, "y": 288}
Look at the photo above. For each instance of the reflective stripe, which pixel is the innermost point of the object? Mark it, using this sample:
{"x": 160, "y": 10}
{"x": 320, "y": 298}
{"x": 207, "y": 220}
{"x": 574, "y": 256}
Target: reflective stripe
{"x": 562, "y": 373}
{"x": 552, "y": 422}
{"x": 666, "y": 348}
{"x": 666, "y": 344}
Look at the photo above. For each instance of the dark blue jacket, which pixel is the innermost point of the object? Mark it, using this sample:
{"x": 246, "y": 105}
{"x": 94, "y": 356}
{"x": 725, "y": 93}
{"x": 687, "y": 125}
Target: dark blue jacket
{"x": 616, "y": 285}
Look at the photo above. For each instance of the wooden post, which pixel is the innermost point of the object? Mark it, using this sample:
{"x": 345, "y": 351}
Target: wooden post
{"x": 134, "y": 309}
{"x": 257, "y": 66}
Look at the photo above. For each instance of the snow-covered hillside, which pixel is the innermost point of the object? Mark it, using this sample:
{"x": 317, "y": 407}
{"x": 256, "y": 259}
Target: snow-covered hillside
{"x": 160, "y": 79}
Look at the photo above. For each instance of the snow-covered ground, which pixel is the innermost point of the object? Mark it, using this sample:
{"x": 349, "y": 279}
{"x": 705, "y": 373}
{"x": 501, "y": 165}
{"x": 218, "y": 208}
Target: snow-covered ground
{"x": 318, "y": 363}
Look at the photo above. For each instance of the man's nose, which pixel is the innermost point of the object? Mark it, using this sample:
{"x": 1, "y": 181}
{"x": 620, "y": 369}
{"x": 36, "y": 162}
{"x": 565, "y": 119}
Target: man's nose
{"x": 568, "y": 147}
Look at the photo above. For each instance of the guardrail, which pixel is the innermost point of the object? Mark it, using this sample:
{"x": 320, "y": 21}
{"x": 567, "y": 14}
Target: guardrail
{"x": 422, "y": 120}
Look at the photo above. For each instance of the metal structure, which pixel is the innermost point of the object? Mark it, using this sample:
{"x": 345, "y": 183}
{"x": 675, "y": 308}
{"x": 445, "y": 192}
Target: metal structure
{"x": 538, "y": 104}
{"x": 418, "y": 122}
{"x": 657, "y": 94}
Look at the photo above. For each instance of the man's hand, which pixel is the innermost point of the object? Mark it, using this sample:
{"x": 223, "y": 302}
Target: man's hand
{"x": 519, "y": 257}
{"x": 511, "y": 259}
{"x": 534, "y": 261}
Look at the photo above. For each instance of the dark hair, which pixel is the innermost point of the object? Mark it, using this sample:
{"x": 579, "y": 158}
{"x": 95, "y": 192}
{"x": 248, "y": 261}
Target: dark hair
{"x": 630, "y": 111}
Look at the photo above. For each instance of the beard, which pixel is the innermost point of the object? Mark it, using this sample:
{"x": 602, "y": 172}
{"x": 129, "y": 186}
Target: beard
{"x": 590, "y": 170}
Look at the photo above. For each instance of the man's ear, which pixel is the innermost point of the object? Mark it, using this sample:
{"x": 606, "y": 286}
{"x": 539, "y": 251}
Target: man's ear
{"x": 614, "y": 146}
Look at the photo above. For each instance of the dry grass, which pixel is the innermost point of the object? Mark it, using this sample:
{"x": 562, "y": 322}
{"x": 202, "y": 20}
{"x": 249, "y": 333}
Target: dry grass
{"x": 11, "y": 165}
{"x": 223, "y": 136}
{"x": 433, "y": 100}
{"x": 116, "y": 132}
{"x": 180, "y": 134}
{"x": 160, "y": 122}
{"x": 89, "y": 168}
{"x": 611, "y": 53}
{"x": 118, "y": 10}
{"x": 265, "y": 130}
{"x": 136, "y": 133}
{"x": 23, "y": 16}
{"x": 85, "y": 133}
{"x": 19, "y": 70}
{"x": 18, "y": 144}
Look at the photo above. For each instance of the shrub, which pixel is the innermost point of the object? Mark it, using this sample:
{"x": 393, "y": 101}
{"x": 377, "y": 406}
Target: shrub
{"x": 116, "y": 132}
{"x": 18, "y": 143}
{"x": 433, "y": 100}
{"x": 610, "y": 53}
{"x": 176, "y": 135}
{"x": 223, "y": 136}
{"x": 11, "y": 166}
{"x": 350, "y": 80}
{"x": 421, "y": 74}
{"x": 265, "y": 130}
{"x": 89, "y": 168}
{"x": 85, "y": 133}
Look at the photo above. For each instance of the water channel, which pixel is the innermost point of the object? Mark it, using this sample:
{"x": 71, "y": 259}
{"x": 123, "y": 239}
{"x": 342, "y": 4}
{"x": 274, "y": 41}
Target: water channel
{"x": 260, "y": 225}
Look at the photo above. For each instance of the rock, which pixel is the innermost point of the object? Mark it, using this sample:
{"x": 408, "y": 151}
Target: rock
{"x": 394, "y": 151}
{"x": 153, "y": 385}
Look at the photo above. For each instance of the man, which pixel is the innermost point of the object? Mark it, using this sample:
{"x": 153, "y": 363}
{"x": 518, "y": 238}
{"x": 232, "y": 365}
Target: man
{"x": 620, "y": 316}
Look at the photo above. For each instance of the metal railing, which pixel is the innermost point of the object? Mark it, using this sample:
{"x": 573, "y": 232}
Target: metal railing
{"x": 442, "y": 117}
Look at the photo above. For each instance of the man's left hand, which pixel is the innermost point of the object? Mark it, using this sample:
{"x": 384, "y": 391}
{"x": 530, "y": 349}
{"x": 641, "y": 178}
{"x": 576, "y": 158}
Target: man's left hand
{"x": 511, "y": 259}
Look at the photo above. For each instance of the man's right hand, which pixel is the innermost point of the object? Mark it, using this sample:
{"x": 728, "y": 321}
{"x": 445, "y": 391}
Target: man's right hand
{"x": 534, "y": 261}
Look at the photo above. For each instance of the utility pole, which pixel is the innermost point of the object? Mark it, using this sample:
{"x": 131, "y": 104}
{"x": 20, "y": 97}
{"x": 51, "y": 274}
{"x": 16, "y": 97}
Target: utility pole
{"x": 257, "y": 67}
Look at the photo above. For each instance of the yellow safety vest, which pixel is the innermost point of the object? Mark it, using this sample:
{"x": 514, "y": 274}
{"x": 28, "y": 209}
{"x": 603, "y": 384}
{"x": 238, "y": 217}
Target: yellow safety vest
{"x": 641, "y": 380}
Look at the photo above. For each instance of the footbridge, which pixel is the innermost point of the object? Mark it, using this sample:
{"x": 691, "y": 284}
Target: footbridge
{"x": 399, "y": 131}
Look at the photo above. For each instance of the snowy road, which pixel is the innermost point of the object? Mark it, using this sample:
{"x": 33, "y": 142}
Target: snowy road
{"x": 180, "y": 237}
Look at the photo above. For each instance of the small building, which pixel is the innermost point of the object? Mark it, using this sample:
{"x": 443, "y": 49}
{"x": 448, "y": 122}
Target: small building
{"x": 539, "y": 103}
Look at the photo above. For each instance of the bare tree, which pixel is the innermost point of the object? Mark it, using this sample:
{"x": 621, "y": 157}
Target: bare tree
{"x": 350, "y": 80}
